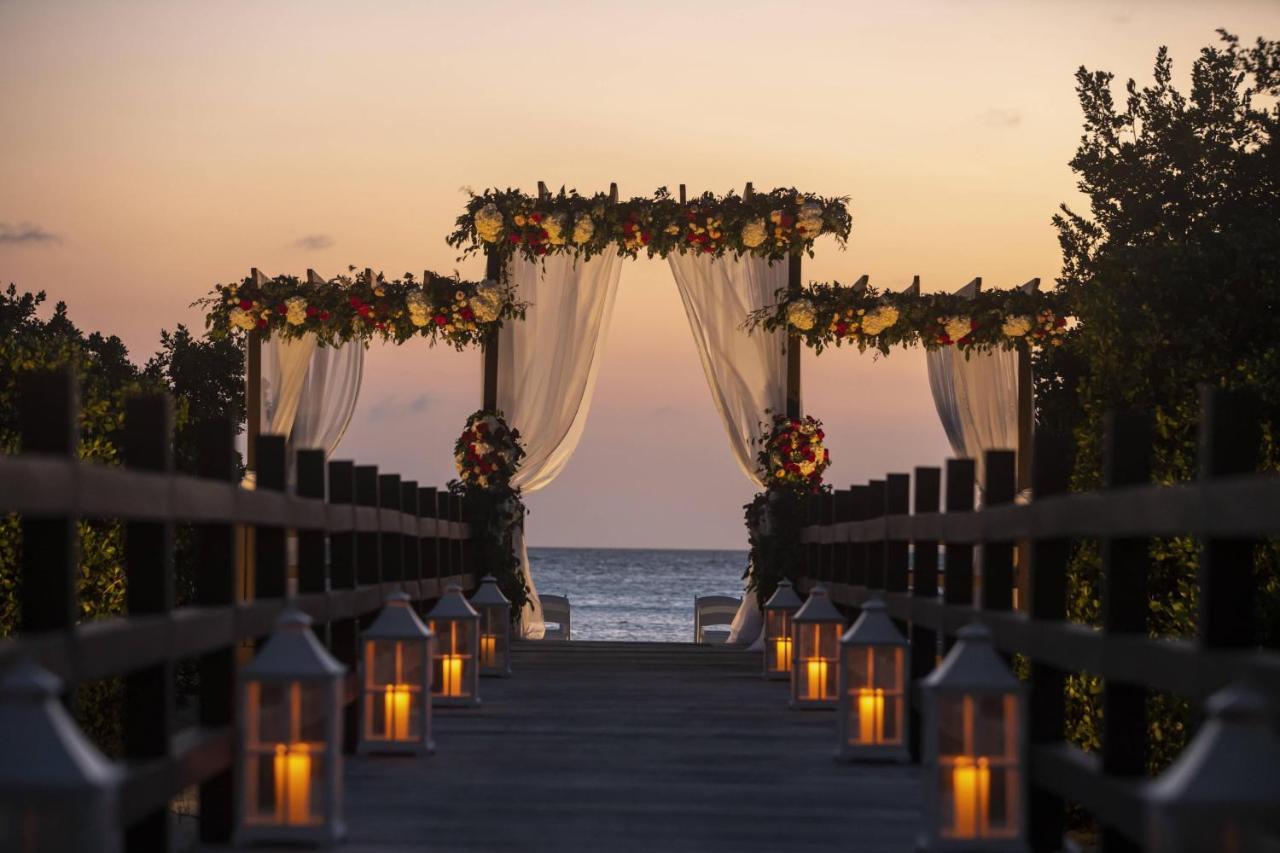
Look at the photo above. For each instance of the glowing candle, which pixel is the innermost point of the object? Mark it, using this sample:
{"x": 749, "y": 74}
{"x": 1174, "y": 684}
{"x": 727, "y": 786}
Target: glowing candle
{"x": 817, "y": 681}
{"x": 489, "y": 649}
{"x": 451, "y": 682}
{"x": 396, "y": 711}
{"x": 971, "y": 791}
{"x": 292, "y": 772}
{"x": 870, "y": 715}
{"x": 782, "y": 662}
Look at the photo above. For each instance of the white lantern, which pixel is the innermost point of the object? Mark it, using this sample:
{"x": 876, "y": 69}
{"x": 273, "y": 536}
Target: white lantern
{"x": 873, "y": 688}
{"x": 395, "y": 684}
{"x": 974, "y": 750}
{"x": 57, "y": 792}
{"x": 815, "y": 641}
{"x": 291, "y": 739}
{"x": 495, "y": 628}
{"x": 456, "y": 625}
{"x": 778, "y": 610}
{"x": 1223, "y": 792}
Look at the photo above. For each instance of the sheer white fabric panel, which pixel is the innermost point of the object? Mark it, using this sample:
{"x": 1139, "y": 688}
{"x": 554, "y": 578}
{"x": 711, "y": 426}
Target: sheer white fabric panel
{"x": 284, "y": 375}
{"x": 547, "y": 366}
{"x": 746, "y": 374}
{"x": 329, "y": 397}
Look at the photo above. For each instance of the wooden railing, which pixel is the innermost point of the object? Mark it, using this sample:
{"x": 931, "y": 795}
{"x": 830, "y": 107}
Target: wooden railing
{"x": 880, "y": 539}
{"x": 380, "y": 534}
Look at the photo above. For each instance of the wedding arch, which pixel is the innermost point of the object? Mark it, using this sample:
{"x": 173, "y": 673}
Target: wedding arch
{"x": 542, "y": 312}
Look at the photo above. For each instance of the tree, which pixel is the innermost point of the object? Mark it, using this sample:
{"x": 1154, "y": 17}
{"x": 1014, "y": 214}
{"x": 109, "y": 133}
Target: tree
{"x": 1174, "y": 275}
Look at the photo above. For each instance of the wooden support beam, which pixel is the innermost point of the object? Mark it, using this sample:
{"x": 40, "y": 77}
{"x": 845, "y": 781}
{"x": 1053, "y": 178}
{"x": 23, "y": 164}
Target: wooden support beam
{"x": 613, "y": 193}
{"x": 860, "y": 285}
{"x": 913, "y": 289}
{"x": 794, "y": 408}
{"x": 543, "y": 194}
{"x": 253, "y": 387}
{"x": 493, "y": 272}
{"x": 682, "y": 195}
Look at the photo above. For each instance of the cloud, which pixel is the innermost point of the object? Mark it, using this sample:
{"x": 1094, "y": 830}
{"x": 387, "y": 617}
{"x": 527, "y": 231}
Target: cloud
{"x": 25, "y": 233}
{"x": 314, "y": 242}
{"x": 1001, "y": 118}
{"x": 390, "y": 408}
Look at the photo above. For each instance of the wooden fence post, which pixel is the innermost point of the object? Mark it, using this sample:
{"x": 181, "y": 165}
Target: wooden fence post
{"x": 860, "y": 499}
{"x": 445, "y": 568}
{"x": 842, "y": 512}
{"x": 391, "y": 542}
{"x": 215, "y": 571}
{"x": 270, "y": 564}
{"x": 1047, "y": 601}
{"x": 150, "y": 700}
{"x": 311, "y": 558}
{"x": 411, "y": 546}
{"x": 368, "y": 560}
{"x": 1126, "y": 565}
{"x": 427, "y": 508}
{"x": 924, "y": 584}
{"x": 47, "y": 412}
{"x": 897, "y": 552}
{"x": 461, "y": 564}
{"x": 1230, "y": 443}
{"x": 344, "y": 636}
{"x": 875, "y": 550}
{"x": 957, "y": 572}
{"x": 997, "y": 557}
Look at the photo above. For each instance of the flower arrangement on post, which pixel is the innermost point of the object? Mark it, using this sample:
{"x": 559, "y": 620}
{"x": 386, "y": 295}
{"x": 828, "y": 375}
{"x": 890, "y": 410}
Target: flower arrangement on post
{"x": 834, "y": 314}
{"x": 362, "y": 306}
{"x": 488, "y": 455}
{"x": 791, "y": 461}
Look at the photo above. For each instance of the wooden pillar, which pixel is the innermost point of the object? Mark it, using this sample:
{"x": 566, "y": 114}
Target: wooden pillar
{"x": 794, "y": 409}
{"x": 253, "y": 386}
{"x": 1026, "y": 439}
{"x": 270, "y": 565}
{"x": 344, "y": 633}
{"x": 957, "y": 571}
{"x": 493, "y": 272}
{"x": 924, "y": 584}
{"x": 311, "y": 545}
{"x": 997, "y": 557}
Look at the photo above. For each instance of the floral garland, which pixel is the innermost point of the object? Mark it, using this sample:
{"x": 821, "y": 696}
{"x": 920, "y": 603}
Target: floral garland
{"x": 488, "y": 455}
{"x": 363, "y": 306}
{"x": 792, "y": 454}
{"x": 772, "y": 225}
{"x": 833, "y": 314}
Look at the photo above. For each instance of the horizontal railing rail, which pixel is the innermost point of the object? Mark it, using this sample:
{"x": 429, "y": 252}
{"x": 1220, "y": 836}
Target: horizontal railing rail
{"x": 940, "y": 563}
{"x": 359, "y": 535}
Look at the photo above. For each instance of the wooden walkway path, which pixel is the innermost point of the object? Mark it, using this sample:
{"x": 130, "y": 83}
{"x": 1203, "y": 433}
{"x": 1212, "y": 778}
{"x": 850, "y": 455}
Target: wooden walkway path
{"x": 630, "y": 747}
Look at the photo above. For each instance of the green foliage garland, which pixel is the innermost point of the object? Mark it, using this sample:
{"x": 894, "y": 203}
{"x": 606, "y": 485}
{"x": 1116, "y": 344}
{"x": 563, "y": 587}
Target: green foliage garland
{"x": 835, "y": 314}
{"x": 362, "y": 307}
{"x": 488, "y": 455}
{"x": 772, "y": 225}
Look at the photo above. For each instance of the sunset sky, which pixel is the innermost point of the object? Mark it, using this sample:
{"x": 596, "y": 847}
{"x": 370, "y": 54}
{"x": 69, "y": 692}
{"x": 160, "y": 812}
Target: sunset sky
{"x": 152, "y": 149}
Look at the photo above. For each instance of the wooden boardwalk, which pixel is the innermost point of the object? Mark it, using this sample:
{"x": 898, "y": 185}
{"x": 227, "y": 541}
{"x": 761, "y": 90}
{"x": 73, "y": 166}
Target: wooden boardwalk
{"x": 631, "y": 747}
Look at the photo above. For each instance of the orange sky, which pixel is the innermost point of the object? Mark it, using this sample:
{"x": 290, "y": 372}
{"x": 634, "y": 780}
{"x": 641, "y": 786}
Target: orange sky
{"x": 164, "y": 146}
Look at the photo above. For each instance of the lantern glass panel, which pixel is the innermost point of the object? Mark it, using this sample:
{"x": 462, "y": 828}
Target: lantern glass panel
{"x": 494, "y": 621}
{"x": 394, "y": 672}
{"x": 455, "y": 658}
{"x": 979, "y": 777}
{"x": 286, "y": 757}
{"x": 875, "y": 680}
{"x": 778, "y": 651}
{"x": 817, "y": 653}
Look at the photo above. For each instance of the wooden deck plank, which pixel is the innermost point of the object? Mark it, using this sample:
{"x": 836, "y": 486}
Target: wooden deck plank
{"x": 630, "y": 747}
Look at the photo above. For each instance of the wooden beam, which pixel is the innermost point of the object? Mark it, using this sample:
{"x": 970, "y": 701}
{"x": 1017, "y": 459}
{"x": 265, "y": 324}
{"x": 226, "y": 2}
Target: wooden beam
{"x": 542, "y": 191}
{"x": 860, "y": 285}
{"x": 682, "y": 195}
{"x": 913, "y": 289}
{"x": 489, "y": 395}
{"x": 748, "y": 192}
{"x": 794, "y": 408}
{"x": 253, "y": 386}
{"x": 613, "y": 193}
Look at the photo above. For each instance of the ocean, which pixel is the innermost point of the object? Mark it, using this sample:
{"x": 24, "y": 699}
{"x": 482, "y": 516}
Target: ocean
{"x": 635, "y": 594}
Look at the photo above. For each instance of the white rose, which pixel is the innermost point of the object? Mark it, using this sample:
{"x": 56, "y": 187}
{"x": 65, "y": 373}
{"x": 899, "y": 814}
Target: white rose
{"x": 242, "y": 319}
{"x": 957, "y": 327}
{"x": 583, "y": 229}
{"x": 554, "y": 224}
{"x": 754, "y": 233}
{"x": 1016, "y": 327}
{"x": 295, "y": 310}
{"x": 878, "y": 319}
{"x": 487, "y": 302}
{"x": 809, "y": 219}
{"x": 802, "y": 315}
{"x": 489, "y": 223}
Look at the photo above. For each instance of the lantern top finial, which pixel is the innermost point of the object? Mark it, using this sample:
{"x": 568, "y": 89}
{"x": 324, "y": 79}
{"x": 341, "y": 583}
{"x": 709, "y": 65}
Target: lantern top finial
{"x": 489, "y": 594}
{"x": 818, "y": 608}
{"x": 396, "y": 621}
{"x": 874, "y": 627}
{"x": 973, "y": 665}
{"x": 783, "y": 598}
{"x": 293, "y": 652}
{"x": 452, "y": 605}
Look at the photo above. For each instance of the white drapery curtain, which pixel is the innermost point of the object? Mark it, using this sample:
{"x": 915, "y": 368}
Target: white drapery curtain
{"x": 976, "y": 397}
{"x": 746, "y": 374}
{"x": 547, "y": 366}
{"x": 309, "y": 392}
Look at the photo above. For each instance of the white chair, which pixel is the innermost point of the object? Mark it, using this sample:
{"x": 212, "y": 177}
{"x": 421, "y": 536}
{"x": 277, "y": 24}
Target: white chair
{"x": 709, "y": 610}
{"x": 555, "y": 609}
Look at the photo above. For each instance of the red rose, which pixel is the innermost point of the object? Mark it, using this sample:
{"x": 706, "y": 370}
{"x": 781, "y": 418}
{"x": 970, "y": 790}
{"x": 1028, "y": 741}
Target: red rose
{"x": 787, "y": 220}
{"x": 691, "y": 237}
{"x": 706, "y": 250}
{"x": 536, "y": 217}
{"x": 515, "y": 238}
{"x": 973, "y": 324}
{"x": 282, "y": 308}
{"x": 311, "y": 311}
{"x": 324, "y": 316}
{"x": 1060, "y": 322}
{"x": 355, "y": 302}
{"x": 965, "y": 341}
{"x": 245, "y": 304}
{"x": 364, "y": 311}
{"x": 841, "y": 328}
{"x": 262, "y": 322}
{"x": 543, "y": 235}
{"x": 542, "y": 250}
{"x": 441, "y": 319}
{"x": 467, "y": 314}
{"x": 820, "y": 434}
{"x": 944, "y": 340}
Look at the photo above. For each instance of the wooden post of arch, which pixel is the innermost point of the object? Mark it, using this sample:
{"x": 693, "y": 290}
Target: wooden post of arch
{"x": 253, "y": 386}
{"x": 794, "y": 410}
{"x": 492, "y": 271}
{"x": 1026, "y": 440}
